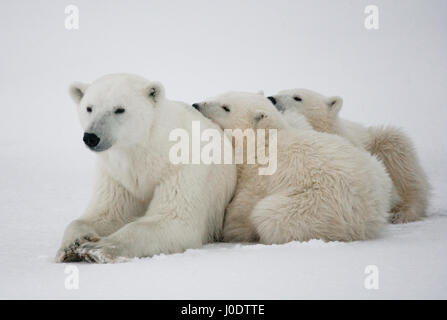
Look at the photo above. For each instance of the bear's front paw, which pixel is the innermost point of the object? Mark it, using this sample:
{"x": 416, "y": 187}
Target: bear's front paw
{"x": 103, "y": 251}
{"x": 69, "y": 253}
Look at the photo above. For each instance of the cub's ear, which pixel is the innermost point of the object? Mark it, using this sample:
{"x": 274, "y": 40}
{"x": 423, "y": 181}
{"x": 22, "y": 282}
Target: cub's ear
{"x": 335, "y": 104}
{"x": 155, "y": 91}
{"x": 77, "y": 91}
{"x": 259, "y": 117}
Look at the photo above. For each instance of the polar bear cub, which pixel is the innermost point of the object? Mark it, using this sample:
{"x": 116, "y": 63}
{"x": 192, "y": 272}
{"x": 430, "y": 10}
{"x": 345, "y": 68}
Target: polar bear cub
{"x": 323, "y": 188}
{"x": 389, "y": 144}
{"x": 142, "y": 203}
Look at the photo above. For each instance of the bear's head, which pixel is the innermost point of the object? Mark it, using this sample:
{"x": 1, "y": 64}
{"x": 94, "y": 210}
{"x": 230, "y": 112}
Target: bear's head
{"x": 116, "y": 110}
{"x": 320, "y": 111}
{"x": 239, "y": 110}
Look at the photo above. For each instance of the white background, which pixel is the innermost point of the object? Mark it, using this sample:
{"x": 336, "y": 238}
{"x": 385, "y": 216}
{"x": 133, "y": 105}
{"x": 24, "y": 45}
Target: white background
{"x": 394, "y": 75}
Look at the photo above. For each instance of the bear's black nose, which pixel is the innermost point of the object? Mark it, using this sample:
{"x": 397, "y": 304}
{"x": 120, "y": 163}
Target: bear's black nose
{"x": 273, "y": 100}
{"x": 196, "y": 106}
{"x": 91, "y": 139}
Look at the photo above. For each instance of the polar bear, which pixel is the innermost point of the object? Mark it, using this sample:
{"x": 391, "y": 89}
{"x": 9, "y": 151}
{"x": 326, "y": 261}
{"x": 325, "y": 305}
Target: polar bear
{"x": 323, "y": 188}
{"x": 142, "y": 204}
{"x": 389, "y": 144}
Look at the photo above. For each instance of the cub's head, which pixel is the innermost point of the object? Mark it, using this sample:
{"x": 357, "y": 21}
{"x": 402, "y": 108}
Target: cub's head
{"x": 116, "y": 110}
{"x": 239, "y": 110}
{"x": 320, "y": 111}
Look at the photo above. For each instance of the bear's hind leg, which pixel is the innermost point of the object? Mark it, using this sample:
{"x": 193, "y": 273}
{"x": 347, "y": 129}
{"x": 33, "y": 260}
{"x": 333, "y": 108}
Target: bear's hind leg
{"x": 280, "y": 219}
{"x": 396, "y": 151}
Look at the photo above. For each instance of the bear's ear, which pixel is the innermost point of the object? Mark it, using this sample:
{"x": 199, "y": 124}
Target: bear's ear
{"x": 77, "y": 91}
{"x": 335, "y": 103}
{"x": 155, "y": 91}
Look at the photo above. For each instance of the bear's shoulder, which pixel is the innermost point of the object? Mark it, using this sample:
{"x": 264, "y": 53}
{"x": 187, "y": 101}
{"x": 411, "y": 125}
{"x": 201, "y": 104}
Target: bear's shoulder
{"x": 184, "y": 115}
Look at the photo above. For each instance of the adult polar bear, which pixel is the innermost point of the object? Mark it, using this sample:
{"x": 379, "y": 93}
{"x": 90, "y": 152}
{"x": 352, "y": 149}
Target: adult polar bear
{"x": 391, "y": 145}
{"x": 142, "y": 204}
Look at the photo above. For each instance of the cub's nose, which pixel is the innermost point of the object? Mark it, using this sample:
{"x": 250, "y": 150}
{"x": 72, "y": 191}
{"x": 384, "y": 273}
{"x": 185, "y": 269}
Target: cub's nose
{"x": 272, "y": 99}
{"x": 196, "y": 106}
{"x": 91, "y": 139}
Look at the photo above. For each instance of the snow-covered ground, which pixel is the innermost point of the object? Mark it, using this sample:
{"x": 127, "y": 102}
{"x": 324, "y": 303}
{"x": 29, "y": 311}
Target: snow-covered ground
{"x": 394, "y": 75}
{"x": 38, "y": 200}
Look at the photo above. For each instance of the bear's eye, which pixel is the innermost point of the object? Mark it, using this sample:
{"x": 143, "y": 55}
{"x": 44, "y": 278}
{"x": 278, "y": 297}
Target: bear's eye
{"x": 226, "y": 108}
{"x": 297, "y": 98}
{"x": 89, "y": 109}
{"x": 119, "y": 110}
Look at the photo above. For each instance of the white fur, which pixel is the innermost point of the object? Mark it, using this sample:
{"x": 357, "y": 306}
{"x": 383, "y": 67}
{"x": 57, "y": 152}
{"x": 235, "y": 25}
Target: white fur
{"x": 324, "y": 187}
{"x": 389, "y": 144}
{"x": 142, "y": 204}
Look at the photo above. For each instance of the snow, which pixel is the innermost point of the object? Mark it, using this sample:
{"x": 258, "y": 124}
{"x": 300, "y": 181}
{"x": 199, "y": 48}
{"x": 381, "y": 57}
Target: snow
{"x": 40, "y": 194}
{"x": 396, "y": 75}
